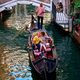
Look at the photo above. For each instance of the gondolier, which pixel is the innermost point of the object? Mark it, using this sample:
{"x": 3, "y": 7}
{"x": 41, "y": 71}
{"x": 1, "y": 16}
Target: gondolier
{"x": 40, "y": 15}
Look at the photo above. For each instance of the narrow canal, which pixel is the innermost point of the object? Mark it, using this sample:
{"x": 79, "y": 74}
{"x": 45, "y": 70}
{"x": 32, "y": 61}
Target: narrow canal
{"x": 14, "y": 64}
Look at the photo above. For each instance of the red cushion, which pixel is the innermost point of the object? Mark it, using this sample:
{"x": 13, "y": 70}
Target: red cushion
{"x": 37, "y": 53}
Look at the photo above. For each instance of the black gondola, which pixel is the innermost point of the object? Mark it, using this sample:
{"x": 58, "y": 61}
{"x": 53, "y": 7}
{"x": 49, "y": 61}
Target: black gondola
{"x": 45, "y": 63}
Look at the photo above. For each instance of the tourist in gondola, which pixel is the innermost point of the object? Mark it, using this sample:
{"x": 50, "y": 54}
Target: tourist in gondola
{"x": 40, "y": 15}
{"x": 41, "y": 42}
{"x": 36, "y": 43}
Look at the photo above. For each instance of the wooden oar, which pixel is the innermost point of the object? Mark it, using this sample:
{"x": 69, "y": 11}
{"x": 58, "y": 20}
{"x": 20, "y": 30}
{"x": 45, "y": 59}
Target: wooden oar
{"x": 20, "y": 31}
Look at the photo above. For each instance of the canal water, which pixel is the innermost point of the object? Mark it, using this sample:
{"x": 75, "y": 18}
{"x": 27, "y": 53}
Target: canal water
{"x": 14, "y": 61}
{"x": 69, "y": 55}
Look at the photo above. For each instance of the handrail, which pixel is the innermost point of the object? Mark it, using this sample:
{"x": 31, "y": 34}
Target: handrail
{"x": 4, "y": 1}
{"x": 7, "y": 4}
{"x": 11, "y": 1}
{"x": 63, "y": 20}
{"x": 61, "y": 17}
{"x": 27, "y": 2}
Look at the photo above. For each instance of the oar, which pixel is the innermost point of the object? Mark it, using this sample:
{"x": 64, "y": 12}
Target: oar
{"x": 20, "y": 31}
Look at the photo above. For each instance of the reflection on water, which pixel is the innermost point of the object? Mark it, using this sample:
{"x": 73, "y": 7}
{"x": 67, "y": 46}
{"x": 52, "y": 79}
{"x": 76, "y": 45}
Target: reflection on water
{"x": 14, "y": 63}
{"x": 3, "y": 65}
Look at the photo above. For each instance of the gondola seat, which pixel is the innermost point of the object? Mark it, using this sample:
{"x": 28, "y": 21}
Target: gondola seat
{"x": 49, "y": 53}
{"x": 37, "y": 52}
{"x": 48, "y": 49}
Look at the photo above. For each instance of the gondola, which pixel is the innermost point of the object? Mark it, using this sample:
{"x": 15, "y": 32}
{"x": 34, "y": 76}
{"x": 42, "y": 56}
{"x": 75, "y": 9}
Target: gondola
{"x": 45, "y": 63}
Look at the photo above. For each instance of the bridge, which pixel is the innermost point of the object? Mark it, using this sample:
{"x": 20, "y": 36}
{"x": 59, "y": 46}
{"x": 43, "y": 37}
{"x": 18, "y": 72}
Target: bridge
{"x": 11, "y": 3}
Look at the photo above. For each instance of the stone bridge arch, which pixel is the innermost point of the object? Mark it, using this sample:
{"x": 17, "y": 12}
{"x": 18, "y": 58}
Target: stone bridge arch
{"x": 11, "y": 3}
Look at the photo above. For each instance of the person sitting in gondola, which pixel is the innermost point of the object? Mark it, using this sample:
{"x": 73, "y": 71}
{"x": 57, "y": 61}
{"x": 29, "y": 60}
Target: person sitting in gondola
{"x": 45, "y": 48}
{"x": 47, "y": 44}
{"x": 49, "y": 48}
{"x": 36, "y": 43}
{"x": 43, "y": 36}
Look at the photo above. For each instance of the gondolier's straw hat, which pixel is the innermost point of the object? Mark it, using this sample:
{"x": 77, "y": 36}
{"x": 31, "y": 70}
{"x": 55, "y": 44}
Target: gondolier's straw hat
{"x": 36, "y": 40}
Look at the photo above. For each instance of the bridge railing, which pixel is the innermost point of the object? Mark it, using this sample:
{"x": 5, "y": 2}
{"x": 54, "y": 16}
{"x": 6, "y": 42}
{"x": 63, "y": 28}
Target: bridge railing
{"x": 35, "y": 3}
{"x": 4, "y": 1}
{"x": 10, "y": 3}
{"x": 7, "y": 4}
{"x": 62, "y": 19}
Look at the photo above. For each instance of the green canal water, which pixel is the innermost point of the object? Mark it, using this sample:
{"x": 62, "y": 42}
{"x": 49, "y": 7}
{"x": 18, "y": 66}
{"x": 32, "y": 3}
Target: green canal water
{"x": 14, "y": 64}
{"x": 69, "y": 55}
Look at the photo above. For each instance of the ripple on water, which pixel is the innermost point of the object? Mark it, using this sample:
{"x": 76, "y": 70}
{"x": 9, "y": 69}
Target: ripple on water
{"x": 14, "y": 56}
{"x": 20, "y": 72}
{"x": 17, "y": 63}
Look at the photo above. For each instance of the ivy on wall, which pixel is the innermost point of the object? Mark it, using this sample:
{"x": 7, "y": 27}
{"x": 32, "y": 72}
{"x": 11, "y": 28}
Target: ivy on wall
{"x": 76, "y": 4}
